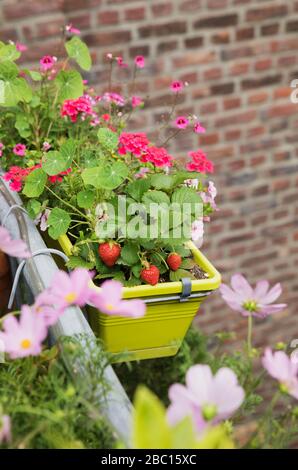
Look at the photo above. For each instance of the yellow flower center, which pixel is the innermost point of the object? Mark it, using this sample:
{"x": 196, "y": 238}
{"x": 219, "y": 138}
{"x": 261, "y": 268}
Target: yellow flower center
{"x": 110, "y": 307}
{"x": 250, "y": 305}
{"x": 26, "y": 343}
{"x": 71, "y": 297}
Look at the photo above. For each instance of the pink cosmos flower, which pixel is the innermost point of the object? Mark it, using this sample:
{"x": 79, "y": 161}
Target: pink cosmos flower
{"x": 69, "y": 289}
{"x": 19, "y": 149}
{"x": 199, "y": 162}
{"x": 158, "y": 156}
{"x": 45, "y": 310}
{"x": 177, "y": 86}
{"x": 248, "y": 301}
{"x": 197, "y": 233}
{"x": 1, "y": 147}
{"x": 70, "y": 29}
{"x": 135, "y": 143}
{"x": 198, "y": 128}
{"x": 21, "y": 47}
{"x": 284, "y": 369}
{"x": 47, "y": 62}
{"x": 24, "y": 337}
{"x": 181, "y": 122}
{"x": 11, "y": 247}
{"x": 136, "y": 101}
{"x": 206, "y": 398}
{"x": 109, "y": 300}
{"x": 5, "y": 429}
{"x": 140, "y": 61}
{"x": 120, "y": 62}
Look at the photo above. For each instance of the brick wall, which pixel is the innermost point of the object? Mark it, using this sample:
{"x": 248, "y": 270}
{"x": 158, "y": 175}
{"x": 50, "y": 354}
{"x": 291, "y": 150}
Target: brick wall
{"x": 239, "y": 57}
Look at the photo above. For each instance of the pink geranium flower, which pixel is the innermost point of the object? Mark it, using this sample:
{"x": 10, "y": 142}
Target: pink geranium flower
{"x": 21, "y": 47}
{"x": 206, "y": 398}
{"x": 12, "y": 247}
{"x": 47, "y": 62}
{"x": 284, "y": 369}
{"x": 5, "y": 429}
{"x": 198, "y": 128}
{"x": 71, "y": 29}
{"x": 177, "y": 86}
{"x": 181, "y": 122}
{"x": 121, "y": 62}
{"x": 69, "y": 289}
{"x": 140, "y": 61}
{"x": 158, "y": 156}
{"x": 109, "y": 300}
{"x": 199, "y": 162}
{"x": 136, "y": 101}
{"x": 19, "y": 149}
{"x": 257, "y": 302}
{"x": 135, "y": 143}
{"x": 24, "y": 337}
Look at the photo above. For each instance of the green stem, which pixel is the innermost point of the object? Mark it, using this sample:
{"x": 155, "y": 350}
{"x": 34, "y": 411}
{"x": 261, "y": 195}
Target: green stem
{"x": 67, "y": 204}
{"x": 249, "y": 336}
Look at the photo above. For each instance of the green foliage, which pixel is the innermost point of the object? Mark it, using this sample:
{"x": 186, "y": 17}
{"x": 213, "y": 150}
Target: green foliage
{"x": 54, "y": 162}
{"x": 78, "y": 262}
{"x": 108, "y": 139}
{"x": 77, "y": 50}
{"x": 33, "y": 208}
{"x": 86, "y": 198}
{"x": 8, "y": 52}
{"x": 152, "y": 431}
{"x": 35, "y": 183}
{"x": 106, "y": 176}
{"x": 59, "y": 221}
{"x": 46, "y": 409}
{"x": 12, "y": 87}
{"x": 129, "y": 253}
{"x": 22, "y": 125}
{"x": 69, "y": 85}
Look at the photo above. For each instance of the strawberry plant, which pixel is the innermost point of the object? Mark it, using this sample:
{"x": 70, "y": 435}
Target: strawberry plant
{"x": 127, "y": 205}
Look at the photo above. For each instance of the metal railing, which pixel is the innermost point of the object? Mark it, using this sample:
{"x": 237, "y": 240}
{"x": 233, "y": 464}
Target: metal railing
{"x": 38, "y": 271}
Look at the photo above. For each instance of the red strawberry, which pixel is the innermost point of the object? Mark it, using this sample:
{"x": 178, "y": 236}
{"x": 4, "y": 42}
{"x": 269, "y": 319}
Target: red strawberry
{"x": 150, "y": 274}
{"x": 109, "y": 252}
{"x": 174, "y": 261}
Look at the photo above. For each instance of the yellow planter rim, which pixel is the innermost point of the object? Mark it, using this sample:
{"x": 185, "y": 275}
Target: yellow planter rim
{"x": 208, "y": 284}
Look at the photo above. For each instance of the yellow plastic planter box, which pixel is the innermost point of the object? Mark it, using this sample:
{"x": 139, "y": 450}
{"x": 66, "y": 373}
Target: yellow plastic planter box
{"x": 161, "y": 331}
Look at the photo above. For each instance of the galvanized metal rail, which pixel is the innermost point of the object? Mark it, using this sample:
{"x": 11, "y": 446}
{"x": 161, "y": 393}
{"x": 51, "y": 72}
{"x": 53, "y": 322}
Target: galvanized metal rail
{"x": 38, "y": 271}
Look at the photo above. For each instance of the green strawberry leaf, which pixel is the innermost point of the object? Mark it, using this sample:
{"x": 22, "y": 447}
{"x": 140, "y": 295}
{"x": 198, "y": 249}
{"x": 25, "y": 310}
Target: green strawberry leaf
{"x": 78, "y": 262}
